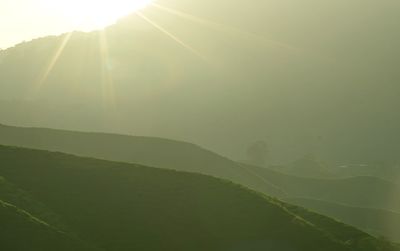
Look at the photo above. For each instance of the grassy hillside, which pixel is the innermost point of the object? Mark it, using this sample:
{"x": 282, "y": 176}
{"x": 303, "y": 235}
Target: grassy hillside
{"x": 125, "y": 207}
{"x": 20, "y": 231}
{"x": 147, "y": 151}
{"x": 364, "y": 202}
{"x": 359, "y": 192}
{"x": 11, "y": 194}
{"x": 375, "y": 221}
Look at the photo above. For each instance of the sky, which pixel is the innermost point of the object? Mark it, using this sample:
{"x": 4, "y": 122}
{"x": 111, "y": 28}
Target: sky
{"x": 26, "y": 19}
{"x": 23, "y": 20}
{"x": 260, "y": 54}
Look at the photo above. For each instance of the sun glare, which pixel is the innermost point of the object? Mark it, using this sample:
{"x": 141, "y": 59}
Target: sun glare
{"x": 93, "y": 14}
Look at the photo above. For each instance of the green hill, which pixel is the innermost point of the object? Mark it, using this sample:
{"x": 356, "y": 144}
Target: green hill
{"x": 147, "y": 151}
{"x": 118, "y": 206}
{"x": 364, "y": 202}
{"x": 23, "y": 200}
{"x": 377, "y": 222}
{"x": 20, "y": 231}
{"x": 357, "y": 191}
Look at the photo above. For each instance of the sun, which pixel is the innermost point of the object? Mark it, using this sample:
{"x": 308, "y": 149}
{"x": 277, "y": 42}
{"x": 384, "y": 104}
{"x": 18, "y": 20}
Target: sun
{"x": 93, "y": 14}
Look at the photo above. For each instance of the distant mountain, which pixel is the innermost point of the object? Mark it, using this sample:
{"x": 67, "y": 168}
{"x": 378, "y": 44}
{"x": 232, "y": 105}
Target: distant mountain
{"x": 377, "y": 222}
{"x": 223, "y": 78}
{"x": 358, "y": 191}
{"x": 117, "y": 206}
{"x": 311, "y": 166}
{"x": 368, "y": 203}
{"x": 381, "y": 170}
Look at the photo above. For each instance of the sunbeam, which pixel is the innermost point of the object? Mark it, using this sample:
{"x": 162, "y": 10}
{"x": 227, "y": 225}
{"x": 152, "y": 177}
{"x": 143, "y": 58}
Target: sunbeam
{"x": 112, "y": 117}
{"x": 106, "y": 75}
{"x": 54, "y": 60}
{"x": 172, "y": 36}
{"x": 224, "y": 27}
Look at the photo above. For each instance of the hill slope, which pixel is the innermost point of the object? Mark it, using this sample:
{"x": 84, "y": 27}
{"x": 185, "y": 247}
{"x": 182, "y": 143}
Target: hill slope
{"x": 147, "y": 151}
{"x": 123, "y": 207}
{"x": 20, "y": 231}
{"x": 359, "y": 192}
{"x": 377, "y": 222}
{"x": 23, "y": 200}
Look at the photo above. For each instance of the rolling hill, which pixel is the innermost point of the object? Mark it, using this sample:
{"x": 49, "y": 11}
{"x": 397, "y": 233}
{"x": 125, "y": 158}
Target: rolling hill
{"x": 147, "y": 151}
{"x": 289, "y": 74}
{"x": 117, "y": 206}
{"x": 368, "y": 203}
{"x": 377, "y": 222}
{"x": 360, "y": 192}
{"x": 357, "y": 191}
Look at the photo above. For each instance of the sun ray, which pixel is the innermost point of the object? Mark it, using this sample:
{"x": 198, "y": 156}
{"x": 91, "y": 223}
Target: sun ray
{"x": 172, "y": 36}
{"x": 106, "y": 74}
{"x": 54, "y": 60}
{"x": 112, "y": 118}
{"x": 224, "y": 27}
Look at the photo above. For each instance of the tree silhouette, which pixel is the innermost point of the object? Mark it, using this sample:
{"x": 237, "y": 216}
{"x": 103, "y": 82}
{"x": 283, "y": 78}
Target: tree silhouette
{"x": 257, "y": 153}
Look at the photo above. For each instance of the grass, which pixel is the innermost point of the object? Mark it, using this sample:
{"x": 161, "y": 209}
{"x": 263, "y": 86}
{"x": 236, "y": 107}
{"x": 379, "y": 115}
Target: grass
{"x": 118, "y": 206}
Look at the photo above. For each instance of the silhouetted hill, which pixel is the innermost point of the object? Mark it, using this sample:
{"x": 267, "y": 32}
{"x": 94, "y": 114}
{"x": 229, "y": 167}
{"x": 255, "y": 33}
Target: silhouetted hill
{"x": 119, "y": 206}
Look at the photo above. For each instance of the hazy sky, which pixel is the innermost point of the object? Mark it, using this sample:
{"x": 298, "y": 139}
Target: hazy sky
{"x": 27, "y": 19}
{"x": 321, "y": 66}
